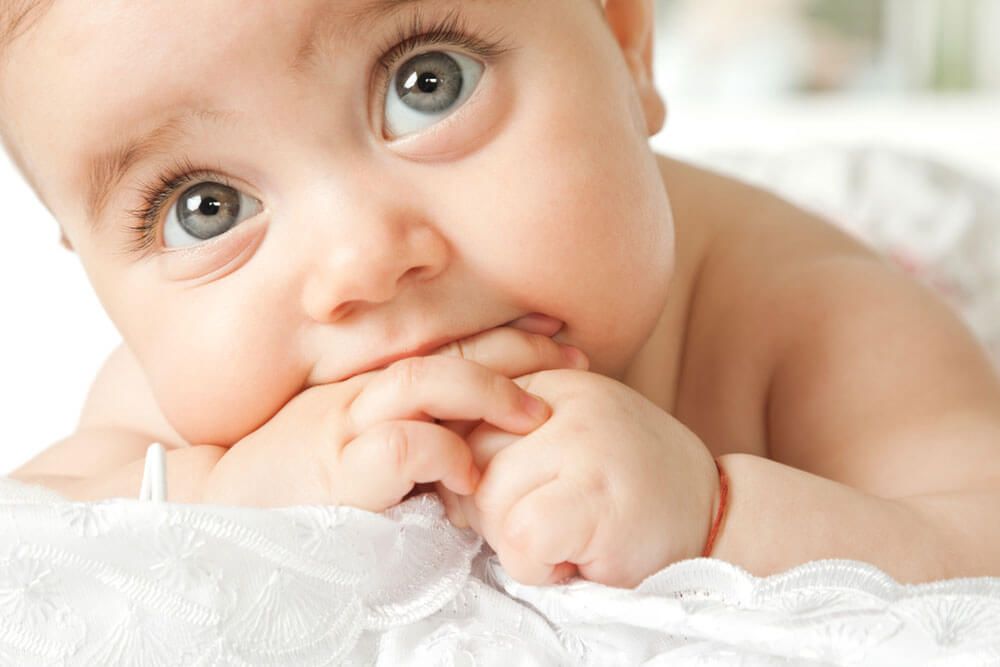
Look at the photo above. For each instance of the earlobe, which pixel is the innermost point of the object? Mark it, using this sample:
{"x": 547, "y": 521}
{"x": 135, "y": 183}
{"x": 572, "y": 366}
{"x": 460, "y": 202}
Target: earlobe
{"x": 634, "y": 27}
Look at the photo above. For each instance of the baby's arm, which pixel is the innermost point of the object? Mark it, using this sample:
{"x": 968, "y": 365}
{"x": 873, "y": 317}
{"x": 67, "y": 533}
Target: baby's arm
{"x": 105, "y": 456}
{"x": 882, "y": 416}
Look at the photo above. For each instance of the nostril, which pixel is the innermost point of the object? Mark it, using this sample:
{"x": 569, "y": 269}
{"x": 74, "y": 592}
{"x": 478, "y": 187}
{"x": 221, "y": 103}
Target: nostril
{"x": 416, "y": 274}
{"x": 343, "y": 310}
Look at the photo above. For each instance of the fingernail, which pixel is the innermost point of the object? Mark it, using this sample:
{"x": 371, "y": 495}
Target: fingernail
{"x": 535, "y": 407}
{"x": 575, "y": 356}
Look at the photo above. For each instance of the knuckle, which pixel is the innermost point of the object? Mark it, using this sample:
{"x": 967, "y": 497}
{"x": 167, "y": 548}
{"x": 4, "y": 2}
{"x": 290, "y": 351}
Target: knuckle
{"x": 407, "y": 373}
{"x": 324, "y": 479}
{"x": 345, "y": 408}
{"x": 597, "y": 484}
{"x": 397, "y": 446}
{"x": 330, "y": 450}
{"x": 344, "y": 418}
{"x": 593, "y": 483}
{"x": 521, "y": 529}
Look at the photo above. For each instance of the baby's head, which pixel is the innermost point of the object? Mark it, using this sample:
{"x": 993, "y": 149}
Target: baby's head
{"x": 272, "y": 195}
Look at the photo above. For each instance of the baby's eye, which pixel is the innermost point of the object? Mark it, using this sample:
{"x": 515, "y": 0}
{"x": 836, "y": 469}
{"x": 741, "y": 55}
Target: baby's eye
{"x": 205, "y": 211}
{"x": 428, "y": 88}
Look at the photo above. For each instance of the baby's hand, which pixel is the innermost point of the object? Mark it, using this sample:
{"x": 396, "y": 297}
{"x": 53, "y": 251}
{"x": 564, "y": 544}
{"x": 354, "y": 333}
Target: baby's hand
{"x": 611, "y": 487}
{"x": 366, "y": 441}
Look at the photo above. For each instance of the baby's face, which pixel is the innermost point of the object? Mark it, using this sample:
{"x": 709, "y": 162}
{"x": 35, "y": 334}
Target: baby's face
{"x": 304, "y": 221}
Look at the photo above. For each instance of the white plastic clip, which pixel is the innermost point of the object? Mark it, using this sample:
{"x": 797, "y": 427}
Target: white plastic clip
{"x": 154, "y": 475}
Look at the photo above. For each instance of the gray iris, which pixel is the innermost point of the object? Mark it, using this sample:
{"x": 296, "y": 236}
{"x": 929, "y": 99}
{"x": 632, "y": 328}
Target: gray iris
{"x": 431, "y": 82}
{"x": 208, "y": 210}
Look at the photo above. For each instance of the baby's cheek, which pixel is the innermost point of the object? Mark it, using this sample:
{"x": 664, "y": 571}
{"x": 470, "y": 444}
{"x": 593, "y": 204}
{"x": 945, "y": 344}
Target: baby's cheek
{"x": 219, "y": 393}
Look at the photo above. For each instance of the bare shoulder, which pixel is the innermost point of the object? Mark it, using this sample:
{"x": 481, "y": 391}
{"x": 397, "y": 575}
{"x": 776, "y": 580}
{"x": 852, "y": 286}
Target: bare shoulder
{"x": 810, "y": 348}
{"x": 758, "y": 242}
{"x": 740, "y": 311}
{"x": 121, "y": 398}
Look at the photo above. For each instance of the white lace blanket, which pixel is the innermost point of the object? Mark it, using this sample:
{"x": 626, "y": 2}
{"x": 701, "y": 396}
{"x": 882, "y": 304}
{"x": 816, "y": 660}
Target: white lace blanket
{"x": 129, "y": 582}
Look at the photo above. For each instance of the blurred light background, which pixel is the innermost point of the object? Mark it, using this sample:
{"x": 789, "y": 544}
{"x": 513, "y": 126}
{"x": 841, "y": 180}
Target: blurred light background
{"x": 918, "y": 75}
{"x": 775, "y": 48}
{"x": 922, "y": 76}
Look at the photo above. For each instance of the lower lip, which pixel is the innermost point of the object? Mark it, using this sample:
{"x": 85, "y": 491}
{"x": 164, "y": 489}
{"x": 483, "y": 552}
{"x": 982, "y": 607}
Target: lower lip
{"x": 538, "y": 323}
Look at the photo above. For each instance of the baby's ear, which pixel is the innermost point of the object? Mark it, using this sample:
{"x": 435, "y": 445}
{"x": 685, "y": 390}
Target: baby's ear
{"x": 634, "y": 26}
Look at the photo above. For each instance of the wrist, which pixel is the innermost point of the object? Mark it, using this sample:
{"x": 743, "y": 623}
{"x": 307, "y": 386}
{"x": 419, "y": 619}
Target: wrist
{"x": 720, "y": 503}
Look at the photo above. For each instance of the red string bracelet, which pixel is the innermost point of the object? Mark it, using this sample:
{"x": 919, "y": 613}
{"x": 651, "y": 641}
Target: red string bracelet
{"x": 723, "y": 497}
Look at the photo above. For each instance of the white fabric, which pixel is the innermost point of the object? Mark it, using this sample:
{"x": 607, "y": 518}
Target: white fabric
{"x": 130, "y": 582}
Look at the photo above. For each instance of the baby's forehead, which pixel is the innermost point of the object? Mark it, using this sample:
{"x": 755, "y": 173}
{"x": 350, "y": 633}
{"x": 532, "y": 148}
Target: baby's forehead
{"x": 173, "y": 48}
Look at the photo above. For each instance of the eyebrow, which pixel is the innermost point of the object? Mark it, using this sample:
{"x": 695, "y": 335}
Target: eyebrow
{"x": 352, "y": 22}
{"x": 17, "y": 17}
{"x": 109, "y": 168}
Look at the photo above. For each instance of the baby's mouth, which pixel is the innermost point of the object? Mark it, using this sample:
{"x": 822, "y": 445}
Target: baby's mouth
{"x": 537, "y": 323}
{"x": 532, "y": 323}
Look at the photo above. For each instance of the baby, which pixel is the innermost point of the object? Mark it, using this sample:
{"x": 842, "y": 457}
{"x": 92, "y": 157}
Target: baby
{"x": 350, "y": 245}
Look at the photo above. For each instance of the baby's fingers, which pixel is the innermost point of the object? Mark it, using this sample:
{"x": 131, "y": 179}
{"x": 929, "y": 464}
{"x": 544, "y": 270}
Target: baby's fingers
{"x": 553, "y": 524}
{"x": 544, "y": 533}
{"x": 532, "y": 572}
{"x": 512, "y": 352}
{"x": 446, "y": 388}
{"x": 380, "y": 466}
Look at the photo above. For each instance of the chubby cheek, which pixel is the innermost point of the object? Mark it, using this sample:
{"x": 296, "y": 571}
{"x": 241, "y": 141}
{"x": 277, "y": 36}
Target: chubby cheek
{"x": 585, "y": 233}
{"x": 219, "y": 371}
{"x": 598, "y": 262}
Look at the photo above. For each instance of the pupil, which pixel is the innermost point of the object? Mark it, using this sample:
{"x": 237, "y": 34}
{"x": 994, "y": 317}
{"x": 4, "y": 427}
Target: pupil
{"x": 427, "y": 82}
{"x": 209, "y": 206}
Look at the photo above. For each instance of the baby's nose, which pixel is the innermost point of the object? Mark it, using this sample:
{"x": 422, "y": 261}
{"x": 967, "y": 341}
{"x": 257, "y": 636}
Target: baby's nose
{"x": 370, "y": 263}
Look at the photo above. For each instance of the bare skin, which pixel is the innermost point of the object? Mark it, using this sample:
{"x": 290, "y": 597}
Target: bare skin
{"x": 718, "y": 320}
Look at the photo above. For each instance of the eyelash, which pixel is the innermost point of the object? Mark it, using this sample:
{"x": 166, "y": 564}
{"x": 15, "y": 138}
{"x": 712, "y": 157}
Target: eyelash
{"x": 156, "y": 194}
{"x": 451, "y": 30}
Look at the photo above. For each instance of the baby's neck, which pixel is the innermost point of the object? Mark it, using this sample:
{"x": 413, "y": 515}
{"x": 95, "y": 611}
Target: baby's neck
{"x": 655, "y": 370}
